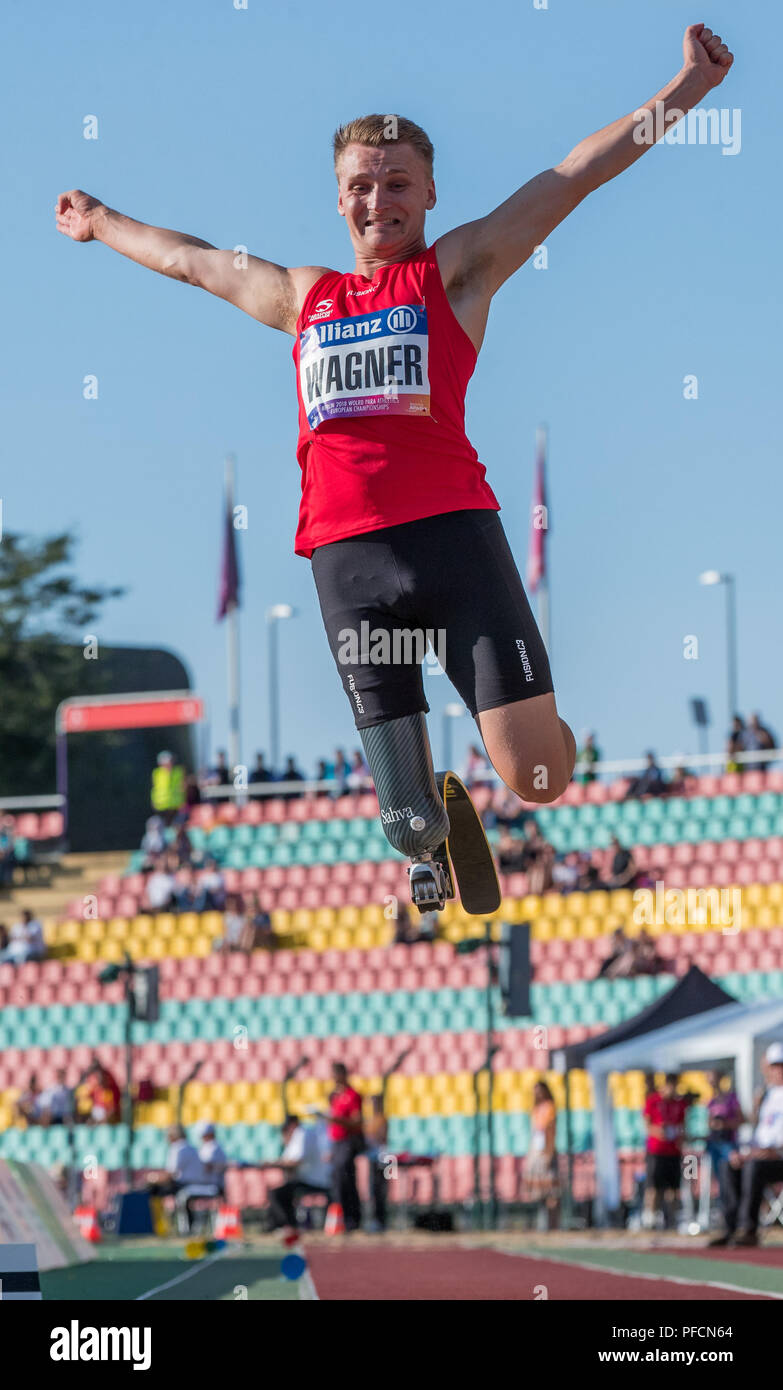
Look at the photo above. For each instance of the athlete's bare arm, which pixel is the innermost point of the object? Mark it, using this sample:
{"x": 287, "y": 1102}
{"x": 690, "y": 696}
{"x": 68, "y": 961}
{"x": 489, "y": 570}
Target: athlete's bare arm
{"x": 271, "y": 293}
{"x": 476, "y": 259}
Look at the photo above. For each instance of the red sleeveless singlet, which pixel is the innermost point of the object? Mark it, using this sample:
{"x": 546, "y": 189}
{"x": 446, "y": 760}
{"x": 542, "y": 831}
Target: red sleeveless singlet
{"x": 382, "y": 370}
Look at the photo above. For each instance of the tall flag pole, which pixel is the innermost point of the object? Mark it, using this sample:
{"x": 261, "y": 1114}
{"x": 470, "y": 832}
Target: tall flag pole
{"x": 537, "y": 573}
{"x": 228, "y": 607}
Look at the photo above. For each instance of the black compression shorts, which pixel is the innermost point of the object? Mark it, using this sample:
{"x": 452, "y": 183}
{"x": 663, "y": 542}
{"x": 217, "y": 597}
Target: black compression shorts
{"x": 448, "y": 579}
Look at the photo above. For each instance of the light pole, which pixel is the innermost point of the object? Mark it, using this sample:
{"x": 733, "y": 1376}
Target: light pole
{"x": 710, "y": 577}
{"x": 273, "y": 614}
{"x": 451, "y": 711}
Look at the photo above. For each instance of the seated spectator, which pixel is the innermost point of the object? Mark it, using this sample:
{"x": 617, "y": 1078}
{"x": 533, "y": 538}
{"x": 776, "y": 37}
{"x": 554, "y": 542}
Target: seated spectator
{"x": 358, "y": 772}
{"x": 210, "y": 893}
{"x": 304, "y": 1162}
{"x": 566, "y": 872}
{"x": 160, "y": 888}
{"x": 682, "y": 782}
{"x": 185, "y": 1177}
{"x": 258, "y": 924}
{"x": 646, "y": 958}
{"x": 619, "y": 962}
{"x": 511, "y": 852}
{"x": 55, "y": 1105}
{"x": 7, "y": 851}
{"x": 428, "y": 926}
{"x": 182, "y": 848}
{"x": 26, "y": 1104}
{"x": 26, "y": 941}
{"x": 648, "y": 783}
{"x": 623, "y": 871}
{"x": 505, "y": 809}
{"x": 153, "y": 842}
{"x": 538, "y": 858}
{"x": 4, "y": 938}
{"x": 588, "y": 754}
{"x": 589, "y": 874}
{"x": 404, "y": 932}
{"x": 213, "y": 1158}
{"x": 103, "y": 1093}
{"x": 744, "y": 1176}
{"x": 234, "y": 936}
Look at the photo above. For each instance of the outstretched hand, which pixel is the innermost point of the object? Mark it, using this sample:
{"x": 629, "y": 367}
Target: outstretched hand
{"x": 707, "y": 54}
{"x": 73, "y": 211}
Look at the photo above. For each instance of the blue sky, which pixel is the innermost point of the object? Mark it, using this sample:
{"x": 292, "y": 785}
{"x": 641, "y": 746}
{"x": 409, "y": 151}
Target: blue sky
{"x": 218, "y": 122}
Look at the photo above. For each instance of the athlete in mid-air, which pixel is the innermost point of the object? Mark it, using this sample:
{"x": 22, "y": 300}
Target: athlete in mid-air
{"x": 396, "y": 515}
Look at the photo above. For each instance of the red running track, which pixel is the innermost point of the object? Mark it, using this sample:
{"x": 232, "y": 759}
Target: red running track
{"x": 476, "y": 1275}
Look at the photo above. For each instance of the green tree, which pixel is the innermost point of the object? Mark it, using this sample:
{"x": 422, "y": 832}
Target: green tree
{"x": 45, "y": 615}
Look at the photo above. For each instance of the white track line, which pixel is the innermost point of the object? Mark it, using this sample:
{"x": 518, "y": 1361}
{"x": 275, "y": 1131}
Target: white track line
{"x": 656, "y": 1278}
{"x": 307, "y": 1287}
{"x": 180, "y": 1277}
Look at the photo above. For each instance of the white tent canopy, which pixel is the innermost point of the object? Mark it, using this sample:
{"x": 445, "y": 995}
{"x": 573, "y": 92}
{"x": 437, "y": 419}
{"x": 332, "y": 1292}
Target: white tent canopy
{"x": 733, "y": 1031}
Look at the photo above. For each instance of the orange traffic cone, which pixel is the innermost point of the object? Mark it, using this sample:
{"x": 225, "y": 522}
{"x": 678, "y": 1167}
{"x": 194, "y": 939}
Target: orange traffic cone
{"x": 228, "y": 1225}
{"x": 87, "y": 1219}
{"x": 335, "y": 1221}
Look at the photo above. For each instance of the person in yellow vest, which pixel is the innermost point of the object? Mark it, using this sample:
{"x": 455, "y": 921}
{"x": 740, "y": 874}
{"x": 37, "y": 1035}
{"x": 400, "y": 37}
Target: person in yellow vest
{"x": 168, "y": 787}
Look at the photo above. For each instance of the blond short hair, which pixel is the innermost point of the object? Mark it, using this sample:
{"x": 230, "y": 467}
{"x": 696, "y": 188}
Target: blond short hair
{"x": 379, "y": 130}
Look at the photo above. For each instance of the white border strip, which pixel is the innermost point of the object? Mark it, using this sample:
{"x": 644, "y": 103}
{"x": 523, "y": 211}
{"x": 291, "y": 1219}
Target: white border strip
{"x": 637, "y": 1274}
{"x": 307, "y": 1289}
{"x": 180, "y": 1277}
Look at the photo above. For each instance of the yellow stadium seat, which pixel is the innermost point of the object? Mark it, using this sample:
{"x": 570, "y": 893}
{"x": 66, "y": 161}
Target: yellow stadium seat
{"x": 543, "y": 929}
{"x": 592, "y": 926}
{"x": 531, "y": 906}
{"x": 349, "y": 916}
{"x": 201, "y": 946}
{"x": 280, "y": 920}
{"x": 301, "y": 920}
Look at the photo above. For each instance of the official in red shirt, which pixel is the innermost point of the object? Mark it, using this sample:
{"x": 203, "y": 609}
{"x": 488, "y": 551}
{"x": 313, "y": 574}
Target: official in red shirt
{"x": 664, "y": 1116}
{"x": 345, "y": 1132}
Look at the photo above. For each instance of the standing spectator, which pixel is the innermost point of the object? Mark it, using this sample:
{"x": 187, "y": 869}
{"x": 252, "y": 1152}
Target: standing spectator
{"x": 7, "y": 852}
{"x": 260, "y": 772}
{"x": 345, "y": 1133}
{"x": 219, "y": 774}
{"x": 540, "y": 1167}
{"x": 359, "y": 772}
{"x": 589, "y": 754}
{"x": 744, "y": 1176}
{"x": 213, "y": 1158}
{"x": 153, "y": 841}
{"x": 290, "y": 773}
{"x": 104, "y": 1096}
{"x": 168, "y": 787}
{"x": 307, "y": 1170}
{"x": 649, "y": 782}
{"x": 376, "y": 1135}
{"x": 764, "y": 738}
{"x": 664, "y": 1117}
{"x": 735, "y": 744}
{"x": 56, "y": 1104}
{"x": 476, "y": 767}
{"x": 623, "y": 870}
{"x": 26, "y": 1106}
{"x": 341, "y": 771}
{"x": 211, "y": 888}
{"x": 26, "y": 941}
{"x": 724, "y": 1117}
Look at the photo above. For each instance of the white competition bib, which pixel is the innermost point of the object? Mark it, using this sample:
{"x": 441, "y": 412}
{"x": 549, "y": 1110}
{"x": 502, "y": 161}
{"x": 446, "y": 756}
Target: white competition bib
{"x": 366, "y": 364}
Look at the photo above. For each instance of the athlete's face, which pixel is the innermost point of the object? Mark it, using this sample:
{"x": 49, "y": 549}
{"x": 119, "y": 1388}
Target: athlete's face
{"x": 384, "y": 195}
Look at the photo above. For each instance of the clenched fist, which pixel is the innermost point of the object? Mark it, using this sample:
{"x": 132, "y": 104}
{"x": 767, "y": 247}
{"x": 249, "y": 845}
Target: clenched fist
{"x": 707, "y": 53}
{"x": 75, "y": 214}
